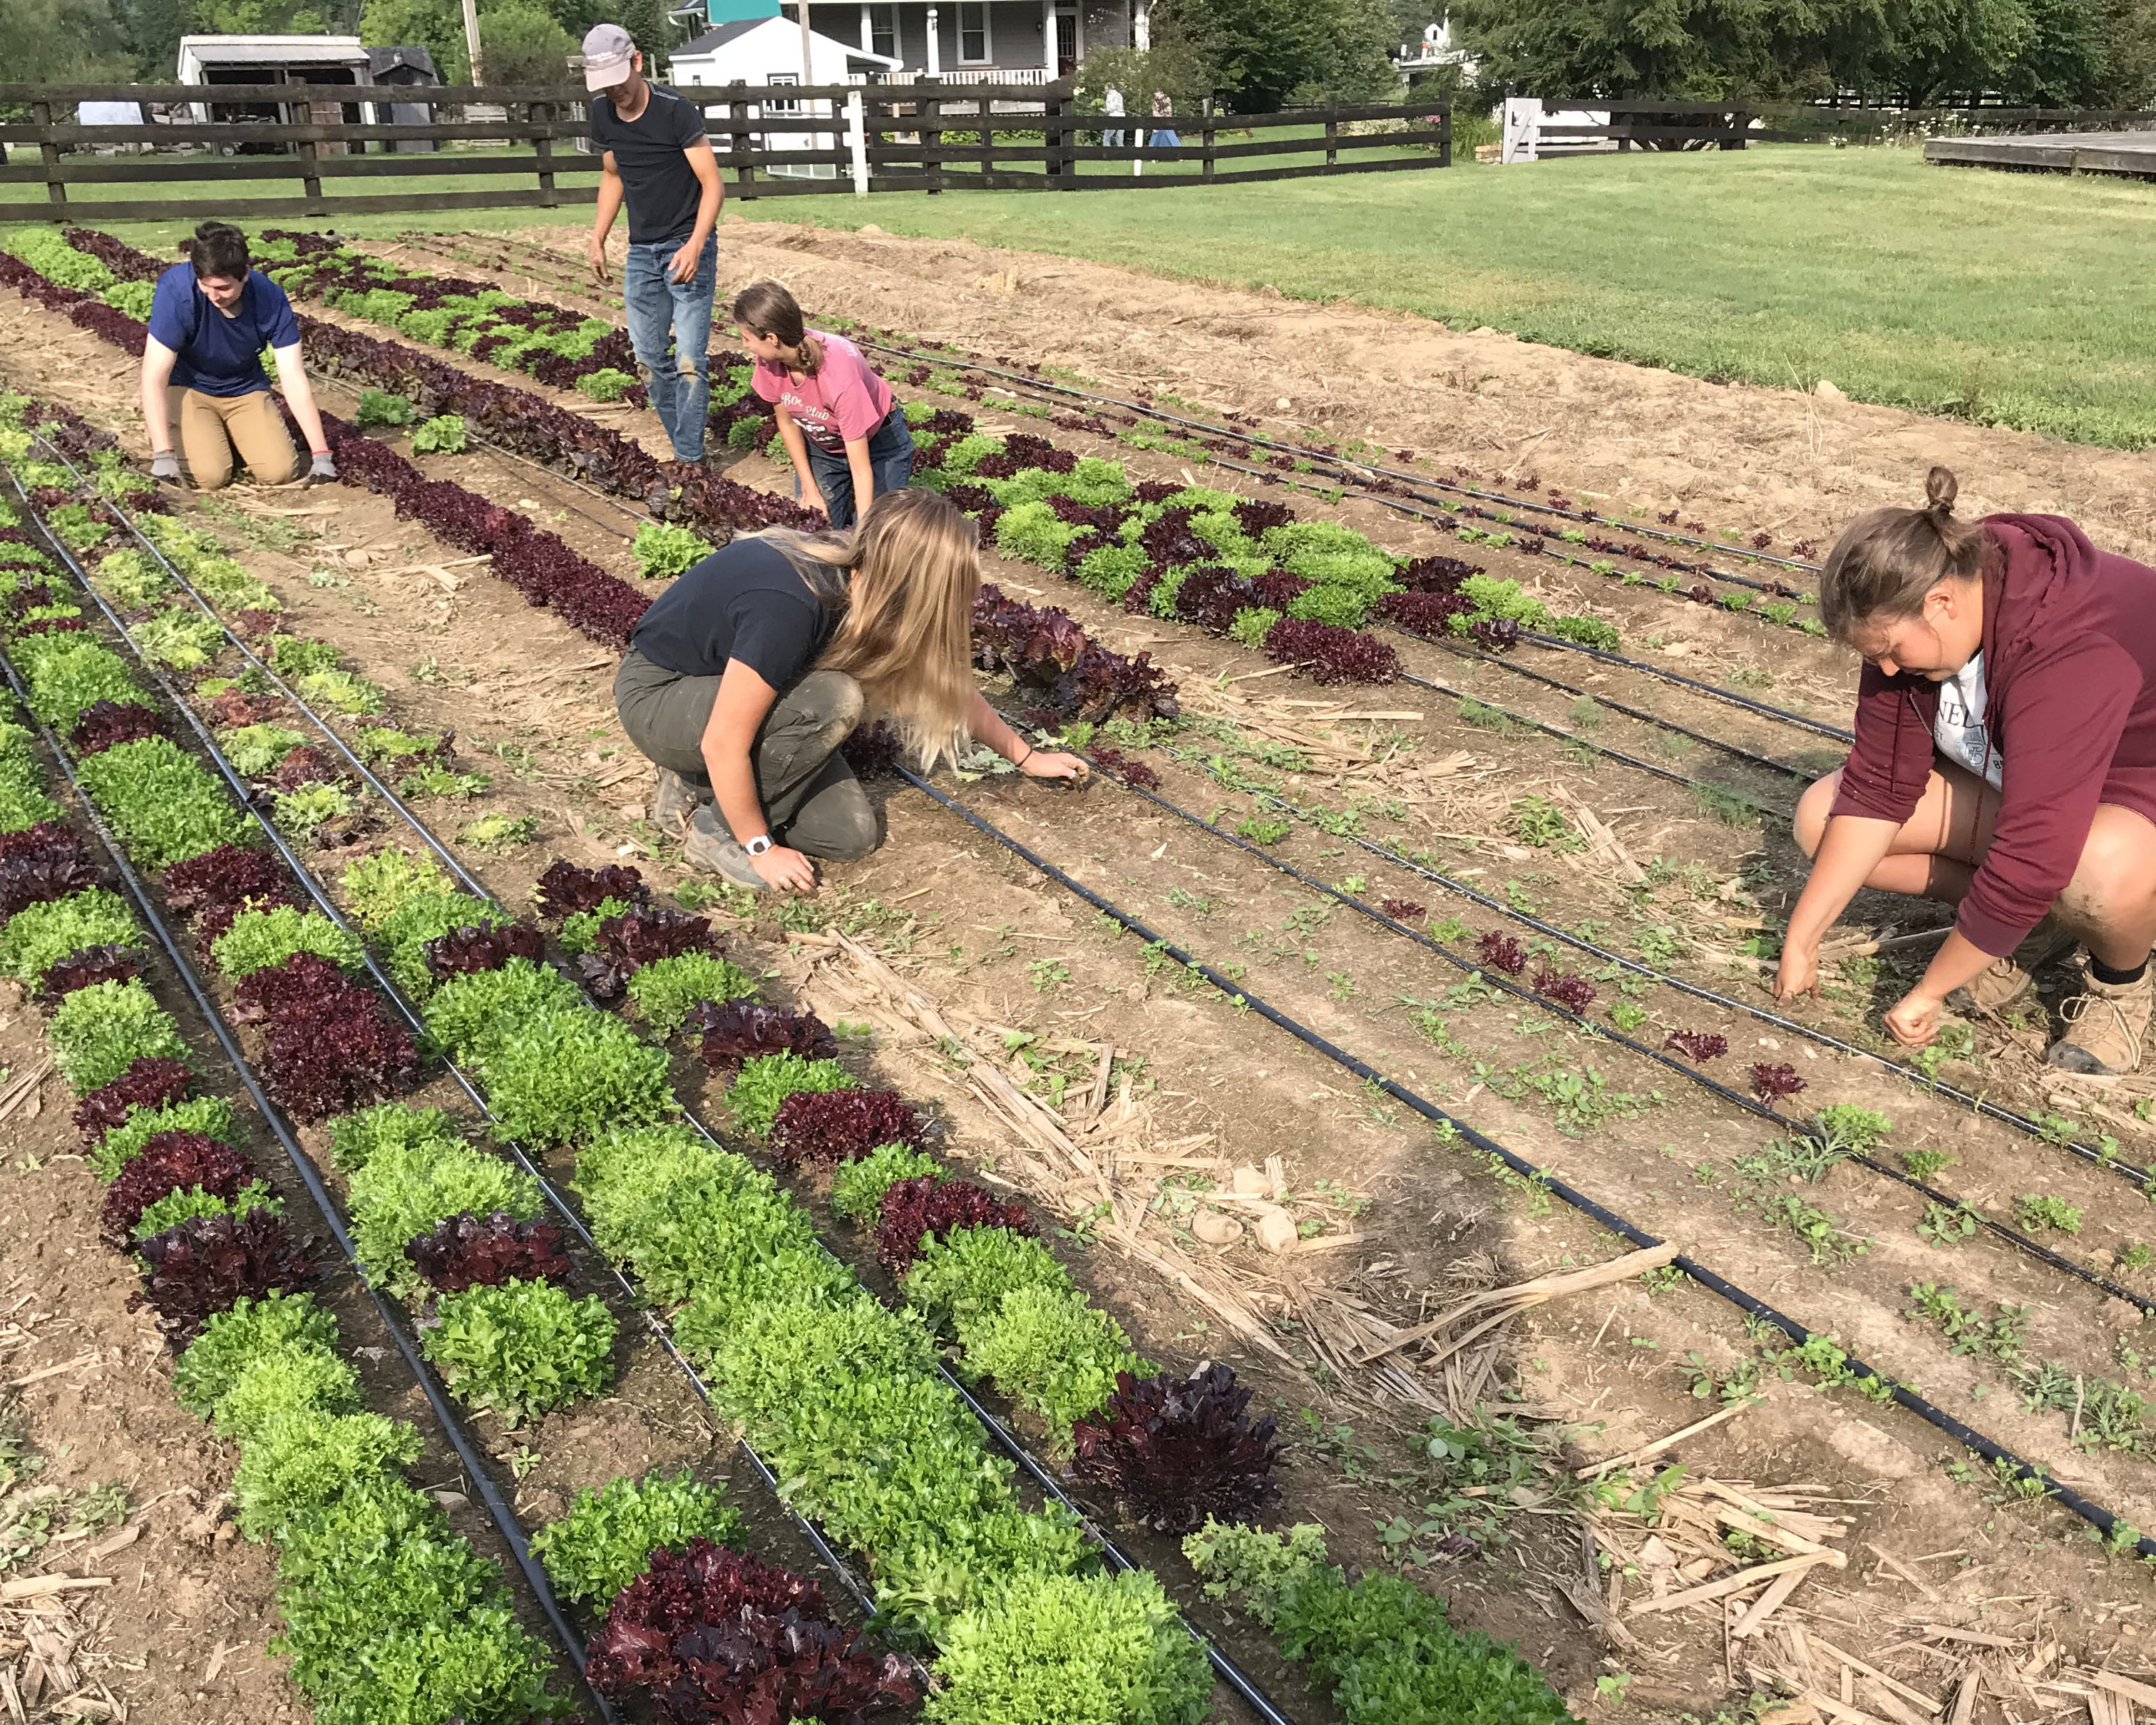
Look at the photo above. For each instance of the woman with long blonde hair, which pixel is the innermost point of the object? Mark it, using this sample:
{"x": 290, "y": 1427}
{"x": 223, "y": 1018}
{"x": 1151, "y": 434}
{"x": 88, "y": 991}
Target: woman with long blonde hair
{"x": 745, "y": 676}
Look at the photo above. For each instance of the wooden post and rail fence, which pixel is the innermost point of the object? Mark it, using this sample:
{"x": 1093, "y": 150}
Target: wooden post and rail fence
{"x": 770, "y": 141}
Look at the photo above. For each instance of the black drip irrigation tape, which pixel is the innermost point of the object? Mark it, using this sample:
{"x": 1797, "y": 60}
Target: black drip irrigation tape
{"x": 633, "y": 1299}
{"x": 1750, "y": 1305}
{"x": 1736, "y": 1098}
{"x": 1113, "y": 1556}
{"x": 1765, "y": 709}
{"x": 1735, "y": 751}
{"x": 2138, "y": 1175}
{"x": 497, "y": 1508}
{"x": 1668, "y": 775}
{"x": 1554, "y": 642}
{"x": 497, "y": 450}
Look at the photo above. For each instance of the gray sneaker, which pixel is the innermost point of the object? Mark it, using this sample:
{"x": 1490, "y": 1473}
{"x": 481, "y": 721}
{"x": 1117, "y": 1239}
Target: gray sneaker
{"x": 707, "y": 844}
{"x": 676, "y": 801}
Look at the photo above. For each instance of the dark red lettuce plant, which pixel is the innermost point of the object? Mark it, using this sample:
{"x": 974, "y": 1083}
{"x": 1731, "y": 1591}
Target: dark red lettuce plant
{"x": 713, "y": 1635}
{"x": 1770, "y": 1084}
{"x": 108, "y": 962}
{"x": 170, "y": 1162}
{"x": 107, "y": 724}
{"x": 197, "y": 1270}
{"x": 467, "y": 1251}
{"x": 1173, "y": 1450}
{"x": 641, "y": 935}
{"x": 1329, "y": 653}
{"x": 476, "y": 948}
{"x": 1573, "y": 992}
{"x": 1500, "y": 951}
{"x": 1700, "y": 1045}
{"x": 152, "y": 1081}
{"x": 823, "y": 1128}
{"x": 914, "y": 1209}
{"x": 36, "y": 876}
{"x": 733, "y": 1031}
{"x": 567, "y": 890}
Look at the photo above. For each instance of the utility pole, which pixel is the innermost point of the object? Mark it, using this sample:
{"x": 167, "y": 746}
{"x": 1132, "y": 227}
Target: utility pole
{"x": 471, "y": 41}
{"x": 808, "y": 55}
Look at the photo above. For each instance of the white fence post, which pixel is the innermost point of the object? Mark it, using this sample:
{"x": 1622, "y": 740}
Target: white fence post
{"x": 1523, "y": 121}
{"x": 857, "y": 140}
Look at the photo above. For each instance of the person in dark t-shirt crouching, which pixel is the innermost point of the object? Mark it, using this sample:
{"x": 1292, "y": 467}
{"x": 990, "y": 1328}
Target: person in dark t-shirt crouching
{"x": 657, "y": 159}
{"x": 745, "y": 676}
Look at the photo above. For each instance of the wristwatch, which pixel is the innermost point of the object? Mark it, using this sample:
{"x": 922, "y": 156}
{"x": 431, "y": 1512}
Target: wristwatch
{"x": 757, "y": 845}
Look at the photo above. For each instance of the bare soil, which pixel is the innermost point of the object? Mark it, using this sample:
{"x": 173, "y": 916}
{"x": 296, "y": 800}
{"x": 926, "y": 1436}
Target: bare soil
{"x": 980, "y": 933}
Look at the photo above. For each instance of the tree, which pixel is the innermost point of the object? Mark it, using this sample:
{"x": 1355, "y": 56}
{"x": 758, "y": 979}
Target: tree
{"x": 62, "y": 42}
{"x": 436, "y": 25}
{"x": 523, "y": 44}
{"x": 1274, "y": 53}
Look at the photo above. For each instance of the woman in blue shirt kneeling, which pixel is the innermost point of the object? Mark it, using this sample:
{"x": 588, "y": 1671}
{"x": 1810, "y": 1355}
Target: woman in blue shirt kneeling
{"x": 204, "y": 394}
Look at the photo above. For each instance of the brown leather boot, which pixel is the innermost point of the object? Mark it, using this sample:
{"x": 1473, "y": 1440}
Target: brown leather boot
{"x": 2010, "y": 979}
{"x": 2106, "y": 1025}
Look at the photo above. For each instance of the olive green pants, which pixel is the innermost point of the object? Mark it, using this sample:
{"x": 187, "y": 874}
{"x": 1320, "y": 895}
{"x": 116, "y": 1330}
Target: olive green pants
{"x": 810, "y": 794}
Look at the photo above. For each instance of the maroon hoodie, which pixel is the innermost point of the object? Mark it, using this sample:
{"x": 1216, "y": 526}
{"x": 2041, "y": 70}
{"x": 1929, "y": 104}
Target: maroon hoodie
{"x": 2069, "y": 680}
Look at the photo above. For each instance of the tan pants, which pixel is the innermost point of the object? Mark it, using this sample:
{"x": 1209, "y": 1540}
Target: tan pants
{"x": 206, "y": 428}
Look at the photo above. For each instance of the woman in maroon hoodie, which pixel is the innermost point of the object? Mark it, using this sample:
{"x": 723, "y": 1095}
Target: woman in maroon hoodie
{"x": 2005, "y": 762}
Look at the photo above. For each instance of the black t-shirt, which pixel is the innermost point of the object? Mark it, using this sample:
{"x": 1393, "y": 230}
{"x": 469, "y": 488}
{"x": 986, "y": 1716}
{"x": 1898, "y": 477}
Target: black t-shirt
{"x": 660, "y": 187}
{"x": 745, "y": 601}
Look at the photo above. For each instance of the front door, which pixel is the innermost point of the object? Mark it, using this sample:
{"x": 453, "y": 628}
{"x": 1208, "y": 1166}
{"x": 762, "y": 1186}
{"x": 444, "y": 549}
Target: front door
{"x": 1069, "y": 49}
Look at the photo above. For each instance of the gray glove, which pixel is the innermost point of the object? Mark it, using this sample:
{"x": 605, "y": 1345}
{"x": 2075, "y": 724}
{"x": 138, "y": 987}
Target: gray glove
{"x": 165, "y": 464}
{"x": 325, "y": 467}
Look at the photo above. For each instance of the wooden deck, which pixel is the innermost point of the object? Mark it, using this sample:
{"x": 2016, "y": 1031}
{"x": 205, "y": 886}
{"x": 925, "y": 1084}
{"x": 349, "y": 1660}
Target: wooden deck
{"x": 2088, "y": 152}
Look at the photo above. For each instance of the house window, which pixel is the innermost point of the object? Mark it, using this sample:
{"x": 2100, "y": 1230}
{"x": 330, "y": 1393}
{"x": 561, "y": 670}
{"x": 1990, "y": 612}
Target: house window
{"x": 973, "y": 45}
{"x": 883, "y": 30}
{"x": 775, "y": 107}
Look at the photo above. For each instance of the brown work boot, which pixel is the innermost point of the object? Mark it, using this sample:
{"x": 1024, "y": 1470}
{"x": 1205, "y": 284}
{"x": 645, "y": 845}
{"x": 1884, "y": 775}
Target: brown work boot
{"x": 2010, "y": 979}
{"x": 707, "y": 844}
{"x": 2105, "y": 1026}
{"x": 676, "y": 801}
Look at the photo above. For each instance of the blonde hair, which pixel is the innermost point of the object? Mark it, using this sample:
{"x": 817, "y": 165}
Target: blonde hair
{"x": 1888, "y": 559}
{"x": 907, "y": 576}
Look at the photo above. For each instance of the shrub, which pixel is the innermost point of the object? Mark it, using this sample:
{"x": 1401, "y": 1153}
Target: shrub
{"x": 1093, "y": 1650}
{"x": 1174, "y": 1451}
{"x": 523, "y": 1349}
{"x": 610, "y": 1534}
{"x": 99, "y": 1032}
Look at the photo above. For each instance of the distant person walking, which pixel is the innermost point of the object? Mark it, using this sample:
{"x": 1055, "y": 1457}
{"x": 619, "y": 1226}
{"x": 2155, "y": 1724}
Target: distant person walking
{"x": 204, "y": 392}
{"x": 838, "y": 419}
{"x": 1113, "y": 106}
{"x": 657, "y": 160}
{"x": 1163, "y": 137}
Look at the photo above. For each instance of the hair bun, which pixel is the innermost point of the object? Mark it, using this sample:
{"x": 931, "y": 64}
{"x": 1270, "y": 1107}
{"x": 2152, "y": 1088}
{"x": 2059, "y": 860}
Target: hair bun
{"x": 1940, "y": 490}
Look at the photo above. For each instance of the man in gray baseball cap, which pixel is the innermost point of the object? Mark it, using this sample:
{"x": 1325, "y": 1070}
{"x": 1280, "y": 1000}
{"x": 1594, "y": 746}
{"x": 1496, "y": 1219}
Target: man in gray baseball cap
{"x": 658, "y": 161}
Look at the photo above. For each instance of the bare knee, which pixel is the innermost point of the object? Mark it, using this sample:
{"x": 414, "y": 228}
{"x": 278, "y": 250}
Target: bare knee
{"x": 1808, "y": 827}
{"x": 2117, "y": 872}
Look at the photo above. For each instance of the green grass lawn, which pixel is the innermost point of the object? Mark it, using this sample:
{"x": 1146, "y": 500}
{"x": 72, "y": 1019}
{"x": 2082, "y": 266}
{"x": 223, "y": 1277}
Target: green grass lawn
{"x": 2011, "y": 299}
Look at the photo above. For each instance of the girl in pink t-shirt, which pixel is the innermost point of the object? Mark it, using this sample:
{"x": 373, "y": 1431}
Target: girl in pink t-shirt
{"x": 847, "y": 438}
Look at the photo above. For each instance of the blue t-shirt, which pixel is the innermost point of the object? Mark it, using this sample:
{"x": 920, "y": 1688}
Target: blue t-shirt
{"x": 220, "y": 355}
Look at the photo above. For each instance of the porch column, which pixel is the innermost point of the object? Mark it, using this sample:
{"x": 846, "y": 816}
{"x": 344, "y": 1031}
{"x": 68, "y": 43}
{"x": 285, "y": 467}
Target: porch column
{"x": 1142, "y": 25}
{"x": 935, "y": 48}
{"x": 1048, "y": 57}
{"x": 868, "y": 29}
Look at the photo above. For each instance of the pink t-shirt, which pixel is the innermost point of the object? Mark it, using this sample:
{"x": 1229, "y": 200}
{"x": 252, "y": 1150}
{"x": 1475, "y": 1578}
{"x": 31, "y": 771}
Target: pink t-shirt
{"x": 844, "y": 400}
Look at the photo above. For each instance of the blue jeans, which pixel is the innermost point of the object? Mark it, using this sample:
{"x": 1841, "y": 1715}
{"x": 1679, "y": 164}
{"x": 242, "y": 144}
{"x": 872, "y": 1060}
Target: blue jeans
{"x": 890, "y": 467}
{"x": 663, "y": 310}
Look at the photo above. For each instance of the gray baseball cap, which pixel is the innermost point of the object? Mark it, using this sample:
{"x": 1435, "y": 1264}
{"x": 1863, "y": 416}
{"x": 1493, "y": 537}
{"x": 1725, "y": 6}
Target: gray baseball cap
{"x": 605, "y": 59}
